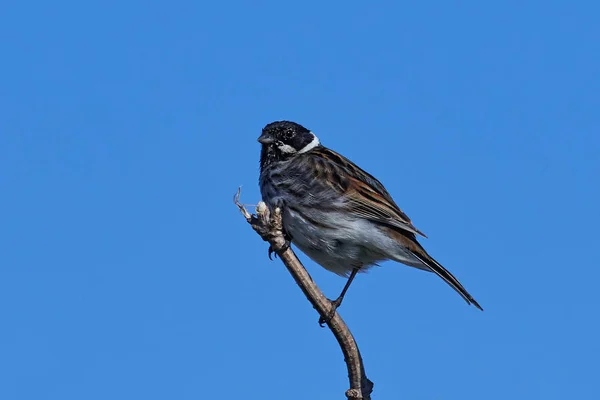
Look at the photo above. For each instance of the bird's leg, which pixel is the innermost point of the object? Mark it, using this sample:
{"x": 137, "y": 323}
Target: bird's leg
{"x": 338, "y": 302}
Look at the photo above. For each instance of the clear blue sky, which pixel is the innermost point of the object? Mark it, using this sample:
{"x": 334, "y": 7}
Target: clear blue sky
{"x": 126, "y": 127}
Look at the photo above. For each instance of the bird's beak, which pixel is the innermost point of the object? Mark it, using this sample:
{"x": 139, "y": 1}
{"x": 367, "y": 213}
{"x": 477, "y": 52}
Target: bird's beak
{"x": 266, "y": 139}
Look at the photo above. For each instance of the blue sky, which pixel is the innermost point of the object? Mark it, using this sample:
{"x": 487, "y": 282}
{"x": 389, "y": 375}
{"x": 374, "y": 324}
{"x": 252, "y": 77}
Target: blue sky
{"x": 127, "y": 127}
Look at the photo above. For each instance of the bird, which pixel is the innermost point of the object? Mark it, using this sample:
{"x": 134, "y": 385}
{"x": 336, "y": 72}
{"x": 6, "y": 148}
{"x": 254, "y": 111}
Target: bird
{"x": 336, "y": 213}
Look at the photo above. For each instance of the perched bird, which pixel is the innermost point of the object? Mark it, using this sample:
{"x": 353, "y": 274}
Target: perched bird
{"x": 336, "y": 213}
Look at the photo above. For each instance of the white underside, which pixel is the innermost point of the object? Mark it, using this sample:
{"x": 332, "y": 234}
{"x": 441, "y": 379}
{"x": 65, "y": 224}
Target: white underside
{"x": 353, "y": 243}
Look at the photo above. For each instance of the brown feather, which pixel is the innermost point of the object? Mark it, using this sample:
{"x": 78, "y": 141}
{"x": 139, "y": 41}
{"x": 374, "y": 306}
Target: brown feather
{"x": 367, "y": 197}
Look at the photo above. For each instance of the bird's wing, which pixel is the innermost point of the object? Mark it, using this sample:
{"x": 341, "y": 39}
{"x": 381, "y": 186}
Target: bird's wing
{"x": 366, "y": 196}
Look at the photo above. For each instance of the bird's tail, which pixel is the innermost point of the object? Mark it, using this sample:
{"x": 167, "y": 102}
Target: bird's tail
{"x": 443, "y": 273}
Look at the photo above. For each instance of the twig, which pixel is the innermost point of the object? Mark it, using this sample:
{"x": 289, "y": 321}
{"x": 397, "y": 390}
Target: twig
{"x": 270, "y": 229}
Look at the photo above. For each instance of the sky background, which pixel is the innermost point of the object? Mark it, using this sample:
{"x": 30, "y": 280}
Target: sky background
{"x": 126, "y": 127}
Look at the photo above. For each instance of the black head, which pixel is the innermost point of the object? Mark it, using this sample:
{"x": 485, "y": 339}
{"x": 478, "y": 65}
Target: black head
{"x": 282, "y": 140}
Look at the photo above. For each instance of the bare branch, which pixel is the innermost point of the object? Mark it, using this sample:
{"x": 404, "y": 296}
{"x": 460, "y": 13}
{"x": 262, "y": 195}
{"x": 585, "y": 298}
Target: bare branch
{"x": 270, "y": 229}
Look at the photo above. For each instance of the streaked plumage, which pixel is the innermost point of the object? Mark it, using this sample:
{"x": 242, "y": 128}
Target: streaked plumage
{"x": 335, "y": 212}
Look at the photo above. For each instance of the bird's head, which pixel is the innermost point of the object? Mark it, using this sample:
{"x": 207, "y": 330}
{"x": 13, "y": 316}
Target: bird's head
{"x": 282, "y": 140}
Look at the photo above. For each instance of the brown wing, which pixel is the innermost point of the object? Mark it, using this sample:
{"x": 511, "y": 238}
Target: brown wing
{"x": 367, "y": 198}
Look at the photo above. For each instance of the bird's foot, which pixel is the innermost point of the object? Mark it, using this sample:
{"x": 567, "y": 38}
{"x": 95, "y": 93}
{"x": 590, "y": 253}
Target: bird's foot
{"x": 285, "y": 246}
{"x": 334, "y": 306}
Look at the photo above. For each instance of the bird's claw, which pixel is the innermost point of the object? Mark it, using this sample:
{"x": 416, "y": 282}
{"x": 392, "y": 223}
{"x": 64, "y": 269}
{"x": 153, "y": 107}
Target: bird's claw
{"x": 334, "y": 306}
{"x": 271, "y": 251}
{"x": 285, "y": 246}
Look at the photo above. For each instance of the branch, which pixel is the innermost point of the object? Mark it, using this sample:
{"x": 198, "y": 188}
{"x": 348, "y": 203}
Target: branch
{"x": 270, "y": 229}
